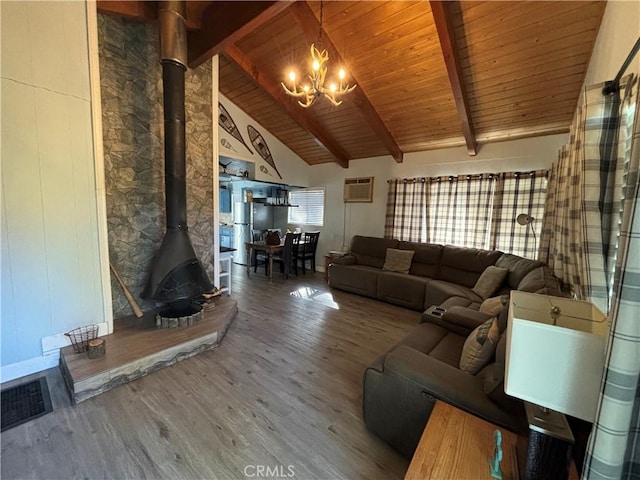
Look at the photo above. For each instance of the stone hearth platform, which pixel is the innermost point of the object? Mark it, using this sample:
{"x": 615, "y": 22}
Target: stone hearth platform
{"x": 137, "y": 348}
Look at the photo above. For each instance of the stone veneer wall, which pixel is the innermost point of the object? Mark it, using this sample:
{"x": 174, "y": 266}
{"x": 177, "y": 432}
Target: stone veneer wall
{"x": 132, "y": 115}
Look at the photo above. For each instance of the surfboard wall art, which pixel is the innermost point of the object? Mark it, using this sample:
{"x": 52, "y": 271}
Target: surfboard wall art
{"x": 226, "y": 122}
{"x": 260, "y": 145}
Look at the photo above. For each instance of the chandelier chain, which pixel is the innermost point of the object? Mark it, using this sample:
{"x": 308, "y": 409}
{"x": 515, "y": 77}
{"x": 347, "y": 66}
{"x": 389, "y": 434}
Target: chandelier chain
{"x": 321, "y": 19}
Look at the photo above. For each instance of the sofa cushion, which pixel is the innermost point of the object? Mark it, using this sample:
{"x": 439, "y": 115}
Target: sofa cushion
{"x": 371, "y": 251}
{"x": 449, "y": 349}
{"x": 503, "y": 320}
{"x": 490, "y": 281}
{"x": 518, "y": 268}
{"x": 464, "y": 265}
{"x": 354, "y": 278}
{"x": 346, "y": 260}
{"x": 461, "y": 302}
{"x": 541, "y": 280}
{"x": 398, "y": 260}
{"x": 494, "y": 305}
{"x": 479, "y": 347}
{"x": 426, "y": 259}
{"x": 435, "y": 341}
{"x": 438, "y": 291}
{"x": 400, "y": 289}
{"x": 424, "y": 337}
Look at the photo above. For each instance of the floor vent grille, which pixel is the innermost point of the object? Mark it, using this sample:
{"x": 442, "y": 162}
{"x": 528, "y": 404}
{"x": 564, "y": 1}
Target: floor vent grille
{"x": 25, "y": 402}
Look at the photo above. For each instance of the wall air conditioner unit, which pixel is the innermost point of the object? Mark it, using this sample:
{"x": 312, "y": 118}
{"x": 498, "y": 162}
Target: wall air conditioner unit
{"x": 358, "y": 190}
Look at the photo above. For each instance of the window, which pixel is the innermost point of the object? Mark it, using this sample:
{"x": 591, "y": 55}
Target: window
{"x": 518, "y": 193}
{"x": 310, "y": 209}
{"x": 459, "y": 210}
{"x": 477, "y": 210}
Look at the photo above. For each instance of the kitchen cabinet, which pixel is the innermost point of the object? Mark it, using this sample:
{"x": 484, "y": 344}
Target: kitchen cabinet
{"x": 225, "y": 272}
{"x": 226, "y": 237}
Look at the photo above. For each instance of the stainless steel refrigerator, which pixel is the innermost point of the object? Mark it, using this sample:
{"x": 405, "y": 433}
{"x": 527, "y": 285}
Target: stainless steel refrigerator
{"x": 242, "y": 218}
{"x": 248, "y": 216}
{"x": 262, "y": 217}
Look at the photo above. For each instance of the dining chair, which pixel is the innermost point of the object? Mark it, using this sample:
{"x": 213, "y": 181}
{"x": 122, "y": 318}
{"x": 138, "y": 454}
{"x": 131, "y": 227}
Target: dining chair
{"x": 287, "y": 257}
{"x": 261, "y": 257}
{"x": 308, "y": 251}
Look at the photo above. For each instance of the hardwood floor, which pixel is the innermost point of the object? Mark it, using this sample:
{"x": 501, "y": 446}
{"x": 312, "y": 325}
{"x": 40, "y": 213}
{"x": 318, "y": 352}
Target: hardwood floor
{"x": 283, "y": 390}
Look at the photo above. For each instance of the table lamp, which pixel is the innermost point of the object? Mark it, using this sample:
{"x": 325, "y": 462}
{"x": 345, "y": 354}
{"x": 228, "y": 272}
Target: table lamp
{"x": 554, "y": 362}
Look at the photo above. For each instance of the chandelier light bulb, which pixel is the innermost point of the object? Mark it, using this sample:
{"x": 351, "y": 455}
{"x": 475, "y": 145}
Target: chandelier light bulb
{"x": 341, "y": 74}
{"x": 305, "y": 88}
{"x": 332, "y": 87}
{"x": 292, "y": 76}
{"x": 316, "y": 65}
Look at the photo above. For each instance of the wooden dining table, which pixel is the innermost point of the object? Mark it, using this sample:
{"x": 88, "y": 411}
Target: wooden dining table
{"x": 261, "y": 246}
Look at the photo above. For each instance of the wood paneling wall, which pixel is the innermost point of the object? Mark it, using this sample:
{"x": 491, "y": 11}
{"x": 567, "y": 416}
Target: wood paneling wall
{"x": 51, "y": 277}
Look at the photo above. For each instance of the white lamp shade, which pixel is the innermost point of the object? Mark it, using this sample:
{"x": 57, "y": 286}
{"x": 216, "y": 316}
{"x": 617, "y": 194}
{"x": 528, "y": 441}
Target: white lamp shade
{"x": 558, "y": 363}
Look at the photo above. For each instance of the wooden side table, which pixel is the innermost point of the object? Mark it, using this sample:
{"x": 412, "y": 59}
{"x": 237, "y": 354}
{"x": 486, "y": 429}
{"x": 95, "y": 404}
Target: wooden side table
{"x": 455, "y": 444}
{"x": 327, "y": 262}
{"x": 458, "y": 445}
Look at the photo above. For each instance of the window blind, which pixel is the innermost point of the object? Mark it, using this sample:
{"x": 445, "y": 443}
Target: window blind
{"x": 310, "y": 209}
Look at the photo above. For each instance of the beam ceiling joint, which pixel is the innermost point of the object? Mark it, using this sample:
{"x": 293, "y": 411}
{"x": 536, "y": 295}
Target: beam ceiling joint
{"x": 441, "y": 11}
{"x": 310, "y": 26}
{"x": 226, "y": 22}
{"x": 137, "y": 10}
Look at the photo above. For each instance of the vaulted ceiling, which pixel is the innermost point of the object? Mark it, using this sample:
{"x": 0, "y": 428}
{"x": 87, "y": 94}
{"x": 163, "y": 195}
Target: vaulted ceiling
{"x": 429, "y": 74}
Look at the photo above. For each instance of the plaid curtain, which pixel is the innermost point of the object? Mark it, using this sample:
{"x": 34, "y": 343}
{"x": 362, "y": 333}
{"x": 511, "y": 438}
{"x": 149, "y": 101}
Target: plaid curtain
{"x": 516, "y": 193}
{"x": 615, "y": 150}
{"x": 614, "y": 446}
{"x": 561, "y": 239}
{"x": 582, "y": 214}
{"x": 571, "y": 238}
{"x": 406, "y": 207}
{"x": 459, "y": 210}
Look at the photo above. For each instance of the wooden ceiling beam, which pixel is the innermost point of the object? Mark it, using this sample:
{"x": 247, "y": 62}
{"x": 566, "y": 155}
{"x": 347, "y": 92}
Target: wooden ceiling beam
{"x": 274, "y": 89}
{"x": 141, "y": 11}
{"x": 310, "y": 26}
{"x": 225, "y": 22}
{"x": 136, "y": 10}
{"x": 446, "y": 34}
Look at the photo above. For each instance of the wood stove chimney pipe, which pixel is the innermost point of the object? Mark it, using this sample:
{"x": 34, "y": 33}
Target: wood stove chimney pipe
{"x": 173, "y": 48}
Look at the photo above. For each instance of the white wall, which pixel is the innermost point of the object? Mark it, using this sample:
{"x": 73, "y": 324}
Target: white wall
{"x": 293, "y": 169}
{"x": 368, "y": 218}
{"x": 618, "y": 32}
{"x": 51, "y": 275}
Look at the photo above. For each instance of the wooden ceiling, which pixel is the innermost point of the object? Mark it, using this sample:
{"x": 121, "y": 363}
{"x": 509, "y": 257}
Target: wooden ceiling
{"x": 429, "y": 74}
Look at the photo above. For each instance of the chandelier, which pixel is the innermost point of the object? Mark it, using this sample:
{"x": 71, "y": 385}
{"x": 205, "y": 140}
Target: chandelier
{"x": 316, "y": 88}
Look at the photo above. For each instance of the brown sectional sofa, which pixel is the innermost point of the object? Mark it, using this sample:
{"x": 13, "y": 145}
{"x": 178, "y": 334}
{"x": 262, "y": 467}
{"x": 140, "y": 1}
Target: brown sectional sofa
{"x": 439, "y": 275}
{"x": 402, "y": 385}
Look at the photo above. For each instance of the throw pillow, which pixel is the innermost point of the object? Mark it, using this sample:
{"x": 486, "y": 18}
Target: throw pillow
{"x": 479, "y": 347}
{"x": 494, "y": 305}
{"x": 490, "y": 281}
{"x": 398, "y": 260}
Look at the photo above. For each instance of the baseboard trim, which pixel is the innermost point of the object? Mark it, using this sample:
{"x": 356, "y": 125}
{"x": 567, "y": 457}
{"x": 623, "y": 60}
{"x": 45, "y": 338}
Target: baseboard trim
{"x": 53, "y": 343}
{"x": 27, "y": 367}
